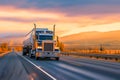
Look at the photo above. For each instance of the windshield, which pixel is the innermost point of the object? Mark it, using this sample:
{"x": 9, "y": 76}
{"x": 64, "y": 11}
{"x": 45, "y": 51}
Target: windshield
{"x": 45, "y": 37}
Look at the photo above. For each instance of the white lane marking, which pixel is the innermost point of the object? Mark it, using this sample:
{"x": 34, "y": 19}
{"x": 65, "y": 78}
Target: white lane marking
{"x": 39, "y": 68}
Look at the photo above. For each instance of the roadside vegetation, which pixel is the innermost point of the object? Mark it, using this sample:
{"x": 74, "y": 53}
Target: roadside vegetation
{"x": 91, "y": 50}
{"x": 5, "y": 48}
{"x": 100, "y": 52}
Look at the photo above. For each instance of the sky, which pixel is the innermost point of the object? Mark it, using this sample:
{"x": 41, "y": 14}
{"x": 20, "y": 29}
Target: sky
{"x": 70, "y": 16}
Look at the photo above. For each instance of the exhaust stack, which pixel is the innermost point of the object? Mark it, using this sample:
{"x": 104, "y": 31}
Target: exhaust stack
{"x": 35, "y": 44}
{"x": 54, "y": 32}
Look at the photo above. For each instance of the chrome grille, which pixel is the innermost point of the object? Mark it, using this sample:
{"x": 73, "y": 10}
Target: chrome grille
{"x": 48, "y": 46}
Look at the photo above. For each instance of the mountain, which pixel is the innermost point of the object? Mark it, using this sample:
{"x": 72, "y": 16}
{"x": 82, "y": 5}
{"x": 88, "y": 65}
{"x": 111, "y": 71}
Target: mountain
{"x": 92, "y": 39}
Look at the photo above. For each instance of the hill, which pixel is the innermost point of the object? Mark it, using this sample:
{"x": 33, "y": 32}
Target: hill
{"x": 92, "y": 39}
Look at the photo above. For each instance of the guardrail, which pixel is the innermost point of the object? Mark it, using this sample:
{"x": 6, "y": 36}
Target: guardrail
{"x": 115, "y": 57}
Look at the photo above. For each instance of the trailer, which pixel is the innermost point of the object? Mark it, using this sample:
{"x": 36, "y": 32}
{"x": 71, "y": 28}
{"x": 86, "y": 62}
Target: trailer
{"x": 41, "y": 43}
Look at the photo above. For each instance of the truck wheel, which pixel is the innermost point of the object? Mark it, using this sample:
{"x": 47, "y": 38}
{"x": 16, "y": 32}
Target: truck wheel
{"x": 24, "y": 54}
{"x": 57, "y": 58}
{"x": 37, "y": 58}
{"x": 30, "y": 55}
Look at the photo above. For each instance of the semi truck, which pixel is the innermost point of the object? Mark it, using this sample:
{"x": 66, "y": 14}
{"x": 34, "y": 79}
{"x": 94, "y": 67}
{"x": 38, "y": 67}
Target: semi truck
{"x": 41, "y": 43}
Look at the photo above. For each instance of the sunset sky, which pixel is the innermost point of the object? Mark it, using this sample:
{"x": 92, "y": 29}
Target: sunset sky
{"x": 70, "y": 16}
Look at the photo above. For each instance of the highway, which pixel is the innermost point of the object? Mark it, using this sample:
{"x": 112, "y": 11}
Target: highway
{"x": 17, "y": 67}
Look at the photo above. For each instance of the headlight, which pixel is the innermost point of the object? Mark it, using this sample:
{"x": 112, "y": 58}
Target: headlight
{"x": 39, "y": 47}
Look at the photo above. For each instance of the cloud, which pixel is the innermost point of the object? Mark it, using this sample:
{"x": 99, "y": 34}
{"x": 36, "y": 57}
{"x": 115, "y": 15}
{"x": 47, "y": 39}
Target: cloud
{"x": 68, "y": 15}
{"x": 56, "y": 3}
{"x": 23, "y": 20}
{"x": 69, "y": 7}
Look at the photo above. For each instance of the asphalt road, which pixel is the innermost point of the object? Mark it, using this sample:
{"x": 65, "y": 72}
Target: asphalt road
{"x": 14, "y": 67}
{"x": 17, "y": 67}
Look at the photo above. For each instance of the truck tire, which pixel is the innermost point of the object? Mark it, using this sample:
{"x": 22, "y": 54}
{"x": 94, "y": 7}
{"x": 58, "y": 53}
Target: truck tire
{"x": 57, "y": 58}
{"x": 30, "y": 55}
{"x": 24, "y": 54}
{"x": 37, "y": 58}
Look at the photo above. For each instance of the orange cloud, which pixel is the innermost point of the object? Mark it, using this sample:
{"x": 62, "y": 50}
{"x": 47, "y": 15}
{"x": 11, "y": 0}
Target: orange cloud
{"x": 16, "y": 19}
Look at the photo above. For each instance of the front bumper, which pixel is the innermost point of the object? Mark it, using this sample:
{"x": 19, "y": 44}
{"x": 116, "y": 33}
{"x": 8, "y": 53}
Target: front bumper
{"x": 48, "y": 54}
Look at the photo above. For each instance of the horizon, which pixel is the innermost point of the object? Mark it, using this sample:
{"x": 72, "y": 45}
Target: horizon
{"x": 13, "y": 35}
{"x": 14, "y": 39}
